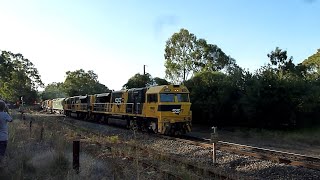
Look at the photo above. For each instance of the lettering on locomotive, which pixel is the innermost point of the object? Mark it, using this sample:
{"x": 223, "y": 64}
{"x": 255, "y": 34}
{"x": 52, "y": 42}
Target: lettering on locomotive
{"x": 118, "y": 100}
{"x": 176, "y": 111}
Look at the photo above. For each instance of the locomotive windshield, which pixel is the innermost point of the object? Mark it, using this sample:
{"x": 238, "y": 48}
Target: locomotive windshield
{"x": 183, "y": 97}
{"x": 166, "y": 97}
{"x": 169, "y": 97}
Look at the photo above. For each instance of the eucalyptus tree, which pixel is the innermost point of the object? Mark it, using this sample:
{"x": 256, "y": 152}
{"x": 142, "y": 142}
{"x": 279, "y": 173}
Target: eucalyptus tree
{"x": 80, "y": 82}
{"x": 185, "y": 56}
{"x": 312, "y": 64}
{"x": 18, "y": 78}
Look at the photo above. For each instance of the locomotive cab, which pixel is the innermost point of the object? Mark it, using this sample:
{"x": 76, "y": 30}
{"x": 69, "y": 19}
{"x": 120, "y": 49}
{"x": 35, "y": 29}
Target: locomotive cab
{"x": 170, "y": 104}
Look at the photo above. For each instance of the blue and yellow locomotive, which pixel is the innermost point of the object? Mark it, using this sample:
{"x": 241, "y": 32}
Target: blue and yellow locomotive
{"x": 161, "y": 109}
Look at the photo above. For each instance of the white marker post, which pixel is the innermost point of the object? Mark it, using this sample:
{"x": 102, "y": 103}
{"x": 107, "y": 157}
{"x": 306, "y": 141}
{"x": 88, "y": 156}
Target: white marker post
{"x": 214, "y": 140}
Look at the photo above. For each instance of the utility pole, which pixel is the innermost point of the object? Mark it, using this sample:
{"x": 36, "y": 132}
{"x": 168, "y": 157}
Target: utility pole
{"x": 184, "y": 70}
{"x": 21, "y": 100}
{"x": 144, "y": 69}
{"x": 184, "y": 75}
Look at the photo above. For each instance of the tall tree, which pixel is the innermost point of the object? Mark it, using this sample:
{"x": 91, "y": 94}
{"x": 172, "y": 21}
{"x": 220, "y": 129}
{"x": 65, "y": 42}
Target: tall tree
{"x": 209, "y": 57}
{"x": 186, "y": 55}
{"x": 18, "y": 78}
{"x": 283, "y": 63}
{"x": 312, "y": 63}
{"x": 179, "y": 55}
{"x": 80, "y": 82}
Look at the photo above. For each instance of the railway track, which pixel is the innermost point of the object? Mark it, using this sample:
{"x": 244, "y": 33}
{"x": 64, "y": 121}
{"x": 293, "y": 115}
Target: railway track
{"x": 200, "y": 171}
{"x": 289, "y": 158}
{"x": 293, "y": 159}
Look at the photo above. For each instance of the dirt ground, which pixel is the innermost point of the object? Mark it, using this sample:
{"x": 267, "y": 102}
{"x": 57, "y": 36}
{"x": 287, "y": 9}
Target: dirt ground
{"x": 301, "y": 142}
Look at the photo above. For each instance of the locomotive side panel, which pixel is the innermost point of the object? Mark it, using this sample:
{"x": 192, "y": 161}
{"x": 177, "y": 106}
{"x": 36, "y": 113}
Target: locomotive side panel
{"x": 136, "y": 100}
{"x": 118, "y": 101}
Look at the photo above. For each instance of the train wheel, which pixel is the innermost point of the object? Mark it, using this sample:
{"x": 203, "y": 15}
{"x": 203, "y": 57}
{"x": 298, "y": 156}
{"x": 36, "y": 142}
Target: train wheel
{"x": 106, "y": 119}
{"x": 129, "y": 123}
{"x": 153, "y": 127}
{"x": 177, "y": 133}
{"x": 134, "y": 125}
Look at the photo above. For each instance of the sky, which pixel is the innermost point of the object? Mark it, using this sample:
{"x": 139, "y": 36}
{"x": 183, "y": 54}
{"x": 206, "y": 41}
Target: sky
{"x": 115, "y": 38}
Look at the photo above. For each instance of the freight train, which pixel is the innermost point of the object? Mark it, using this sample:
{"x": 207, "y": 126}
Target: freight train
{"x": 160, "y": 109}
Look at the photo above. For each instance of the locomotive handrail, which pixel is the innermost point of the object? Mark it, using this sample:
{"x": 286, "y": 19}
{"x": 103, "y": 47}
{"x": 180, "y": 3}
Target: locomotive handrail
{"x": 107, "y": 107}
{"x": 114, "y": 103}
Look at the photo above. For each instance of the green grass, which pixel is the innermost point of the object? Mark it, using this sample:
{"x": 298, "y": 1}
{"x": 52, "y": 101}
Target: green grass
{"x": 30, "y": 156}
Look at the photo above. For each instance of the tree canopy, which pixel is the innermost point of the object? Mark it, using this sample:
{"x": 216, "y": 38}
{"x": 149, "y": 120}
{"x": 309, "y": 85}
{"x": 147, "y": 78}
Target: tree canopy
{"x": 185, "y": 55}
{"x": 53, "y": 90}
{"x": 276, "y": 95}
{"x": 144, "y": 80}
{"x": 80, "y": 82}
{"x": 18, "y": 78}
{"x": 280, "y": 60}
{"x": 160, "y": 81}
{"x": 312, "y": 64}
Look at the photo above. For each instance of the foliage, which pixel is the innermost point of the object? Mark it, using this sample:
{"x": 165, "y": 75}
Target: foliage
{"x": 275, "y": 96}
{"x": 140, "y": 80}
{"x": 209, "y": 57}
{"x": 178, "y": 55}
{"x": 80, "y": 82}
{"x": 312, "y": 64}
{"x": 214, "y": 97}
{"x": 53, "y": 90}
{"x": 18, "y": 78}
{"x": 185, "y": 55}
{"x": 160, "y": 81}
{"x": 279, "y": 58}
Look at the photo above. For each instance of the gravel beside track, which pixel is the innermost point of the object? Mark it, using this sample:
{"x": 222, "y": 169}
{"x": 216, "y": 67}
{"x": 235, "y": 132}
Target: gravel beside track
{"x": 233, "y": 165}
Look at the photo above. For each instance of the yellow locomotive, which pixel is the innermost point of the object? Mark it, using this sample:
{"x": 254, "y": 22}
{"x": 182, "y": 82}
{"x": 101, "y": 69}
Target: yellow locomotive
{"x": 161, "y": 109}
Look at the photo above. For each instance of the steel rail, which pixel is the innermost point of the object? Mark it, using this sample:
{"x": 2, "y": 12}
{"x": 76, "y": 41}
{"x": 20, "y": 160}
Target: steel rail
{"x": 189, "y": 165}
{"x": 277, "y": 156}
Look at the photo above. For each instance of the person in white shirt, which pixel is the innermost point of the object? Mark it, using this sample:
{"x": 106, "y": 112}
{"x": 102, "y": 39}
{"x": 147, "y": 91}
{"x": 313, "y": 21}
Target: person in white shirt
{"x": 4, "y": 119}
